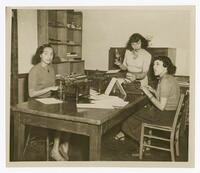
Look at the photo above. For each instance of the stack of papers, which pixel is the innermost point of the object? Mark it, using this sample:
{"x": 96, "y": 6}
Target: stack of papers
{"x": 103, "y": 101}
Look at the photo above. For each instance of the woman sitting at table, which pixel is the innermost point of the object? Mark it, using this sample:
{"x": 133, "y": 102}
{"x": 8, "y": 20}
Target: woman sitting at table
{"x": 164, "y": 101}
{"x": 136, "y": 59}
{"x": 41, "y": 81}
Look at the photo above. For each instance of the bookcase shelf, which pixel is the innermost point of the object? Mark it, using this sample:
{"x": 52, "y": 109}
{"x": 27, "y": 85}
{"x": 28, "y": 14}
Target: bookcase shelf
{"x": 63, "y": 30}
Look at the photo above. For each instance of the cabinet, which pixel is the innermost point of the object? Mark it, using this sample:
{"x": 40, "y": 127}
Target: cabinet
{"x": 163, "y": 51}
{"x": 63, "y": 30}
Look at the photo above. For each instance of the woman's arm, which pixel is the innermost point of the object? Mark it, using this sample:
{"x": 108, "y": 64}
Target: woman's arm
{"x": 152, "y": 90}
{"x": 33, "y": 80}
{"x": 123, "y": 67}
{"x": 160, "y": 104}
{"x": 140, "y": 75}
{"x": 34, "y": 93}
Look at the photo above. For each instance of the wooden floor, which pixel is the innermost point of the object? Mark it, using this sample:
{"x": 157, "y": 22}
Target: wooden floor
{"x": 112, "y": 150}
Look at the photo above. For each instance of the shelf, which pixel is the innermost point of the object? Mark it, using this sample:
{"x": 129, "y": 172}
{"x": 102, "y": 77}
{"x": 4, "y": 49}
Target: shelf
{"x": 64, "y": 26}
{"x": 63, "y": 30}
{"x": 69, "y": 61}
{"x": 65, "y": 43}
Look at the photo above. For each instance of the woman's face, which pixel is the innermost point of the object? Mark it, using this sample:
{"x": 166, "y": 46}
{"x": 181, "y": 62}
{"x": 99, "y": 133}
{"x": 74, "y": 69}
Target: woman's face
{"x": 47, "y": 55}
{"x": 158, "y": 68}
{"x": 136, "y": 45}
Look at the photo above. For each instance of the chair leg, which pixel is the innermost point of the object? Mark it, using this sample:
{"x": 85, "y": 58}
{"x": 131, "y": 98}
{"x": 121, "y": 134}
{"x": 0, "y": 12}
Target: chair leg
{"x": 27, "y": 141}
{"x": 47, "y": 147}
{"x": 141, "y": 142}
{"x": 177, "y": 142}
{"x": 172, "y": 149}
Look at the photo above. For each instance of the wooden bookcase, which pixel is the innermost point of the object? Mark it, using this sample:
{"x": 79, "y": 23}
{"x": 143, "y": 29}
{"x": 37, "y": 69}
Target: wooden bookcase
{"x": 63, "y": 30}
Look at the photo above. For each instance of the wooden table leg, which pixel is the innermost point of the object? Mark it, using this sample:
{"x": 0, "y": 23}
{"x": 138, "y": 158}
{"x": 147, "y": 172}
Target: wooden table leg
{"x": 19, "y": 134}
{"x": 95, "y": 144}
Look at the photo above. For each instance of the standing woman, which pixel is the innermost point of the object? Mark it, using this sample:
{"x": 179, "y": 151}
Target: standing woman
{"x": 136, "y": 59}
{"x": 164, "y": 101}
{"x": 41, "y": 81}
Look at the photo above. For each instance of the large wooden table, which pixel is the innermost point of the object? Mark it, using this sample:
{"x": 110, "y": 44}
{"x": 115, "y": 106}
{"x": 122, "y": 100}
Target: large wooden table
{"x": 66, "y": 117}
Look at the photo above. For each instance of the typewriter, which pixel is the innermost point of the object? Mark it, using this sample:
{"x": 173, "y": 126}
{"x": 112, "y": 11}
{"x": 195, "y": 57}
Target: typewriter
{"x": 72, "y": 86}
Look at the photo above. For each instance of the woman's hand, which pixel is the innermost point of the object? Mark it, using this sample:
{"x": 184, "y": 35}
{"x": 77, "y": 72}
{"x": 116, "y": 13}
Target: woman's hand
{"x": 117, "y": 62}
{"x": 146, "y": 91}
{"x": 150, "y": 89}
{"x": 53, "y": 88}
{"x": 35, "y": 93}
{"x": 131, "y": 77}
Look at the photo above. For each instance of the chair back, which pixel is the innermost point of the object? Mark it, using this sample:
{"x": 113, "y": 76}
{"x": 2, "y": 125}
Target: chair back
{"x": 178, "y": 115}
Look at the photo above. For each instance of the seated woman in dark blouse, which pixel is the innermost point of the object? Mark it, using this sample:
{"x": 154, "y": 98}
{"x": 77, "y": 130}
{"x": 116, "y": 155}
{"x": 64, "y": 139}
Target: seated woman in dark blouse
{"x": 164, "y": 101}
{"x": 41, "y": 82}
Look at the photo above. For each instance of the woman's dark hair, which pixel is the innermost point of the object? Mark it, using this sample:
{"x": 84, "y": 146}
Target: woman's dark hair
{"x": 135, "y": 38}
{"x": 171, "y": 69}
{"x": 36, "y": 58}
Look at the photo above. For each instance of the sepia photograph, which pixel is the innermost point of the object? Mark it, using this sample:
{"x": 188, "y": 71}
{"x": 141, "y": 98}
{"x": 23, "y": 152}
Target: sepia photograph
{"x": 110, "y": 84}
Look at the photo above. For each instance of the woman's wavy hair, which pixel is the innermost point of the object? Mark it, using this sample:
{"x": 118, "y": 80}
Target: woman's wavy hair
{"x": 135, "y": 38}
{"x": 171, "y": 68}
{"x": 36, "y": 58}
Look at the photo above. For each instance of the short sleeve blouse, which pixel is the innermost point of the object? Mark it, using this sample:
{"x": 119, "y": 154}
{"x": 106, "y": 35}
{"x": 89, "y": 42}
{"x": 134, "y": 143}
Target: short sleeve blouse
{"x": 40, "y": 78}
{"x": 169, "y": 88}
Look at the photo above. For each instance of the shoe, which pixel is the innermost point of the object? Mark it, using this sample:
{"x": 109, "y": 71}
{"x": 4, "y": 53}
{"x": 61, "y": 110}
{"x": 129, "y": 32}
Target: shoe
{"x": 56, "y": 156}
{"x": 120, "y": 136}
{"x": 64, "y": 151}
{"x": 135, "y": 153}
{"x": 145, "y": 152}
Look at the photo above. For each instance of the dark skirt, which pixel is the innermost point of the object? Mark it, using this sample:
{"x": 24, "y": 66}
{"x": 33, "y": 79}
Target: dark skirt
{"x": 149, "y": 114}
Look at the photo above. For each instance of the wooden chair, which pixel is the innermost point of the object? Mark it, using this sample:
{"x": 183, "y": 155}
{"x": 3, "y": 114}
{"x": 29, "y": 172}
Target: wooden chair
{"x": 147, "y": 132}
{"x": 28, "y": 140}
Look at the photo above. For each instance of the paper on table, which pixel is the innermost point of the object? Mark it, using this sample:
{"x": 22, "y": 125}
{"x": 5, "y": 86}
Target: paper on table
{"x": 49, "y": 100}
{"x": 111, "y": 100}
{"x": 104, "y": 102}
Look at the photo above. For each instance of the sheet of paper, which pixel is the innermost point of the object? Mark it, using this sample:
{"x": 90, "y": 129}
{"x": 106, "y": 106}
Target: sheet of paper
{"x": 113, "y": 101}
{"x": 49, "y": 101}
{"x": 113, "y": 71}
{"x": 104, "y": 101}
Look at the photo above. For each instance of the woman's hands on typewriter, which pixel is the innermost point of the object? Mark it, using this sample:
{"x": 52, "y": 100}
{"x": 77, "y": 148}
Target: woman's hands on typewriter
{"x": 131, "y": 77}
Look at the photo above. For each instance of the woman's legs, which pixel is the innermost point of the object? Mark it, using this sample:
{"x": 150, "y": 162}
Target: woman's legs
{"x": 55, "y": 154}
{"x": 64, "y": 150}
{"x": 120, "y": 136}
{"x": 64, "y": 147}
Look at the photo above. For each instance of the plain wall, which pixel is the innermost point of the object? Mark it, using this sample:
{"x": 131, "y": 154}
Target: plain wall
{"x": 112, "y": 27}
{"x": 27, "y": 38}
